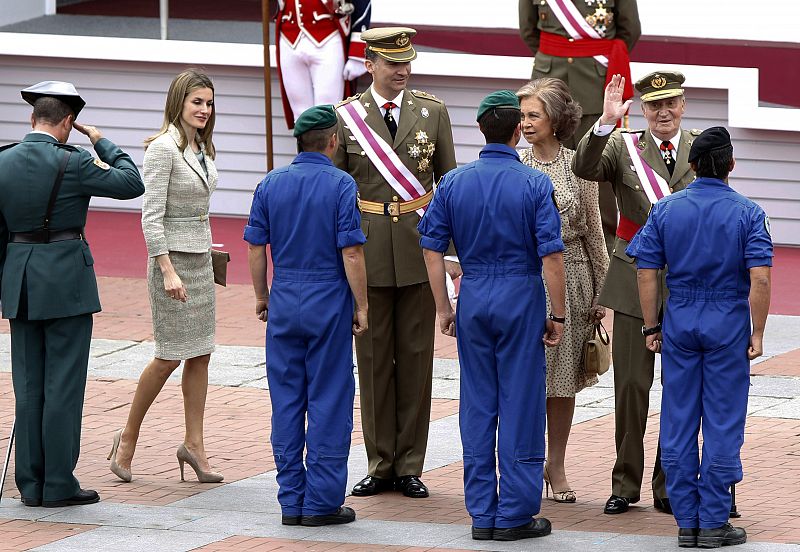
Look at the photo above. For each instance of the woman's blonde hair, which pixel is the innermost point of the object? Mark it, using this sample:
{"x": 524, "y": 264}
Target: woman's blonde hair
{"x": 564, "y": 112}
{"x": 182, "y": 85}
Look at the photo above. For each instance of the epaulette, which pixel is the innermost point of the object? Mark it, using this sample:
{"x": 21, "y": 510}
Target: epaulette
{"x": 348, "y": 100}
{"x": 421, "y": 94}
{"x": 695, "y": 132}
{"x": 69, "y": 147}
{"x": 8, "y": 146}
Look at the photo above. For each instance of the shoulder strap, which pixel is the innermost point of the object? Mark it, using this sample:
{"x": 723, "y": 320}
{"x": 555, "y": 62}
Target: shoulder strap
{"x": 54, "y": 192}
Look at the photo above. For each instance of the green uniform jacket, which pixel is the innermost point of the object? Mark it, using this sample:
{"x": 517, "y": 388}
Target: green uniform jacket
{"x": 59, "y": 276}
{"x": 393, "y": 254}
{"x": 606, "y": 158}
{"x": 584, "y": 76}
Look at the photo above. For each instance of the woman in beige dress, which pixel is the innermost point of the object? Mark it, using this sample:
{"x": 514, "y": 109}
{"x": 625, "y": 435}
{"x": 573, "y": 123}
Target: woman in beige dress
{"x": 549, "y": 115}
{"x": 179, "y": 177}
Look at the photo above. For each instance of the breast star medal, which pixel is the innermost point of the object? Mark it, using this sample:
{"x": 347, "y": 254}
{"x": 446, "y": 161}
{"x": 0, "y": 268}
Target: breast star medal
{"x": 414, "y": 151}
{"x": 421, "y": 137}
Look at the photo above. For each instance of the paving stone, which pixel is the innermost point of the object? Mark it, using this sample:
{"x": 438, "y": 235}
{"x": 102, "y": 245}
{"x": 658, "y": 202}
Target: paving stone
{"x": 774, "y": 386}
{"x": 119, "y": 539}
{"x": 787, "y": 409}
{"x": 129, "y": 515}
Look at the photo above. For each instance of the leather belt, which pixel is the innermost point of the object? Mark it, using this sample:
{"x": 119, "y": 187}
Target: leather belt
{"x": 44, "y": 236}
{"x": 396, "y": 208}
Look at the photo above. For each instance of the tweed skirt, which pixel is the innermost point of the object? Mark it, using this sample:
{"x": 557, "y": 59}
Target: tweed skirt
{"x": 183, "y": 330}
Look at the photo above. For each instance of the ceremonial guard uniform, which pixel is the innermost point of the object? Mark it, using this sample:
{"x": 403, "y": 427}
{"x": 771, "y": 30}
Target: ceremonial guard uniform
{"x": 634, "y": 164}
{"x": 583, "y": 43}
{"x": 502, "y": 219}
{"x": 308, "y": 212}
{"x": 395, "y": 169}
{"x": 709, "y": 237}
{"x": 319, "y": 51}
{"x": 49, "y": 291}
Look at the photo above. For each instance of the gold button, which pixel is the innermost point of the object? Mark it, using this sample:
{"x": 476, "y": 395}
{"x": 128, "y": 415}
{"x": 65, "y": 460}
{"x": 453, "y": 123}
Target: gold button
{"x": 572, "y": 40}
{"x": 362, "y": 153}
{"x": 395, "y": 198}
{"x": 637, "y": 187}
{"x": 395, "y": 219}
{"x": 570, "y": 60}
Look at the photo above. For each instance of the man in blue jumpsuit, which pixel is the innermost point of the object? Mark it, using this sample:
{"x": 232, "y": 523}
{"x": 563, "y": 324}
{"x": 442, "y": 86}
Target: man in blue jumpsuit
{"x": 505, "y": 227}
{"x": 309, "y": 214}
{"x": 717, "y": 246}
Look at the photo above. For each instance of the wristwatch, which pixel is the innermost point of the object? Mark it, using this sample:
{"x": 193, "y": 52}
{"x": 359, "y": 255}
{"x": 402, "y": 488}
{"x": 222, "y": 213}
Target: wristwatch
{"x": 650, "y": 331}
{"x": 556, "y": 318}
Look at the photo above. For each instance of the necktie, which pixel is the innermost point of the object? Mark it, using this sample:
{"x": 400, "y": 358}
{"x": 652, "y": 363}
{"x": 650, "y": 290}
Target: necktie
{"x": 391, "y": 124}
{"x": 666, "y": 152}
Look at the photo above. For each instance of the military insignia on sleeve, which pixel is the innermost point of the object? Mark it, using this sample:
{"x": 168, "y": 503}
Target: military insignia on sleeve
{"x": 424, "y": 112}
{"x": 766, "y": 225}
{"x": 358, "y": 202}
{"x": 102, "y": 164}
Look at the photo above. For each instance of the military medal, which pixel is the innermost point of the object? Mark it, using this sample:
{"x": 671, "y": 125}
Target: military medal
{"x": 423, "y": 165}
{"x": 421, "y": 137}
{"x": 424, "y": 112}
{"x": 414, "y": 151}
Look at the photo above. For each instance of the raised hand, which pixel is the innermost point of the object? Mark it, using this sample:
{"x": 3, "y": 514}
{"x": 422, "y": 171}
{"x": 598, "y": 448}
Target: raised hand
{"x": 93, "y": 133}
{"x": 613, "y": 106}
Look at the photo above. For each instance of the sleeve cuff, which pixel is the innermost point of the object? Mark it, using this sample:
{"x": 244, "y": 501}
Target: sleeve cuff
{"x": 762, "y": 261}
{"x": 644, "y": 263}
{"x": 255, "y": 236}
{"x": 548, "y": 248}
{"x": 602, "y": 130}
{"x": 440, "y": 246}
{"x": 350, "y": 238}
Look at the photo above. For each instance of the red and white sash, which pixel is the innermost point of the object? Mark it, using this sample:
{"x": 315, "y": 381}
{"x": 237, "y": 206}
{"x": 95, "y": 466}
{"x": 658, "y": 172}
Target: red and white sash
{"x": 574, "y": 23}
{"x": 653, "y": 183}
{"x": 381, "y": 154}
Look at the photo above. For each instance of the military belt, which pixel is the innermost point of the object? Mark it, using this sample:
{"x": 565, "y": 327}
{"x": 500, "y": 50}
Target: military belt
{"x": 396, "y": 208}
{"x": 45, "y": 236}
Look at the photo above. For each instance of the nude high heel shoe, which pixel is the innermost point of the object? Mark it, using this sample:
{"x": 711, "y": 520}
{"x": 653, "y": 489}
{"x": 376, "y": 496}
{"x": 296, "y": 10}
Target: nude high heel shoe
{"x": 184, "y": 456}
{"x": 567, "y": 496}
{"x": 122, "y": 473}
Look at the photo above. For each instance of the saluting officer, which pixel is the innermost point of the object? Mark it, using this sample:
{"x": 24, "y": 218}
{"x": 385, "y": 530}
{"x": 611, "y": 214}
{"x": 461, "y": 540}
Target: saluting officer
{"x": 49, "y": 291}
{"x": 501, "y": 216}
{"x": 584, "y": 43}
{"x": 309, "y": 340}
{"x": 396, "y": 143}
{"x": 642, "y": 166}
{"x": 718, "y": 250}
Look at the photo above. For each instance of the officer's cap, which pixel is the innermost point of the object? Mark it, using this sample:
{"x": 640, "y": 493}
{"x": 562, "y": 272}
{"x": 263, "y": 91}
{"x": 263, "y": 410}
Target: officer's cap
{"x": 317, "y": 117}
{"x": 711, "y": 139}
{"x": 501, "y": 99}
{"x": 392, "y": 43}
{"x": 64, "y": 91}
{"x": 660, "y": 85}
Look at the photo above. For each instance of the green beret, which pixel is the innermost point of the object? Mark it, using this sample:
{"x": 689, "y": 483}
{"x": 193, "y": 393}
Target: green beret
{"x": 319, "y": 116}
{"x": 711, "y": 139}
{"x": 502, "y": 99}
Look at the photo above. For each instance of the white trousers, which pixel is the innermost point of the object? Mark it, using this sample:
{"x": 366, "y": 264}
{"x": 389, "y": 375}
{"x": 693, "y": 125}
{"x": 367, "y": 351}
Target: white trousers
{"x": 312, "y": 75}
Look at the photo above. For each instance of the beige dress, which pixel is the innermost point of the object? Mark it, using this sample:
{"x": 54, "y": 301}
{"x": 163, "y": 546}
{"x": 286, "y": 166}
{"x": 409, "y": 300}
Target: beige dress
{"x": 585, "y": 265}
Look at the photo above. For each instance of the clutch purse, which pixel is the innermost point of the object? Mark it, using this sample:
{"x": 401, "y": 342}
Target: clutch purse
{"x": 596, "y": 353}
{"x": 219, "y": 262}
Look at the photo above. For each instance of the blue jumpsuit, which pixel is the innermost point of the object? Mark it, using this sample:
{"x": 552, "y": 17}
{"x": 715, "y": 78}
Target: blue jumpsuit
{"x": 501, "y": 217}
{"x": 709, "y": 236}
{"x": 308, "y": 212}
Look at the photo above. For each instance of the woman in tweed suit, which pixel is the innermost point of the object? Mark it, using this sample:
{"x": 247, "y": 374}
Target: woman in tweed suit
{"x": 179, "y": 176}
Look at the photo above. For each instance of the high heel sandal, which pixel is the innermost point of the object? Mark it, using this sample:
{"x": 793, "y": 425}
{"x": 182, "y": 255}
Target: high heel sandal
{"x": 115, "y": 468}
{"x": 566, "y": 497}
{"x": 184, "y": 455}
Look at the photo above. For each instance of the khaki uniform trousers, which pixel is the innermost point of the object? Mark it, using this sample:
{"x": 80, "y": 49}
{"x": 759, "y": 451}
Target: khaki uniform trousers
{"x": 633, "y": 378}
{"x": 395, "y": 374}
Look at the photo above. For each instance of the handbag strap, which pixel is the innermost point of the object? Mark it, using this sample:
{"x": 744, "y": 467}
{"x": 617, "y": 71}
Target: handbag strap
{"x": 597, "y": 328}
{"x": 54, "y": 193}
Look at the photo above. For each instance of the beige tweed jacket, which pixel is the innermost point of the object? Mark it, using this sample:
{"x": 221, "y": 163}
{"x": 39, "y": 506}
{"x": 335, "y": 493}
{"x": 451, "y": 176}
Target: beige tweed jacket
{"x": 176, "y": 198}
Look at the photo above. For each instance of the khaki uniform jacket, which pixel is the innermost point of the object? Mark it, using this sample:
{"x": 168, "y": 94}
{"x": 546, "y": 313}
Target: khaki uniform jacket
{"x": 59, "y": 276}
{"x": 393, "y": 254}
{"x": 605, "y": 158}
{"x": 177, "y": 197}
{"x": 584, "y": 76}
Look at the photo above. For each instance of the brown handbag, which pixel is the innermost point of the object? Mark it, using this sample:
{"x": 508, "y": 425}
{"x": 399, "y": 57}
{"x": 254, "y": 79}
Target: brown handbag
{"x": 596, "y": 353}
{"x": 219, "y": 262}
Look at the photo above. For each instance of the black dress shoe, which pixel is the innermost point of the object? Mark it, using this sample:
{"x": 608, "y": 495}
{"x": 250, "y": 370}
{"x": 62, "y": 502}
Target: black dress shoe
{"x": 662, "y": 505}
{"x": 290, "y": 520}
{"x": 617, "y": 505}
{"x": 534, "y": 528}
{"x": 411, "y": 486}
{"x": 33, "y": 502}
{"x": 687, "y": 538}
{"x": 727, "y": 535}
{"x": 78, "y": 499}
{"x": 482, "y": 533}
{"x": 370, "y": 486}
{"x": 342, "y": 515}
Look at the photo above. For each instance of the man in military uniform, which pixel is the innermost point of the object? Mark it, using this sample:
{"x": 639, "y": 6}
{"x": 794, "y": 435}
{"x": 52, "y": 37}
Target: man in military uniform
{"x": 319, "y": 282}
{"x": 642, "y": 166}
{"x": 583, "y": 43}
{"x": 49, "y": 291}
{"x": 717, "y": 245}
{"x": 396, "y": 143}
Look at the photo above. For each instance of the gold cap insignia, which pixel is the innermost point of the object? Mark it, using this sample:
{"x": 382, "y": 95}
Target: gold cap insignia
{"x": 658, "y": 82}
{"x": 402, "y": 40}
